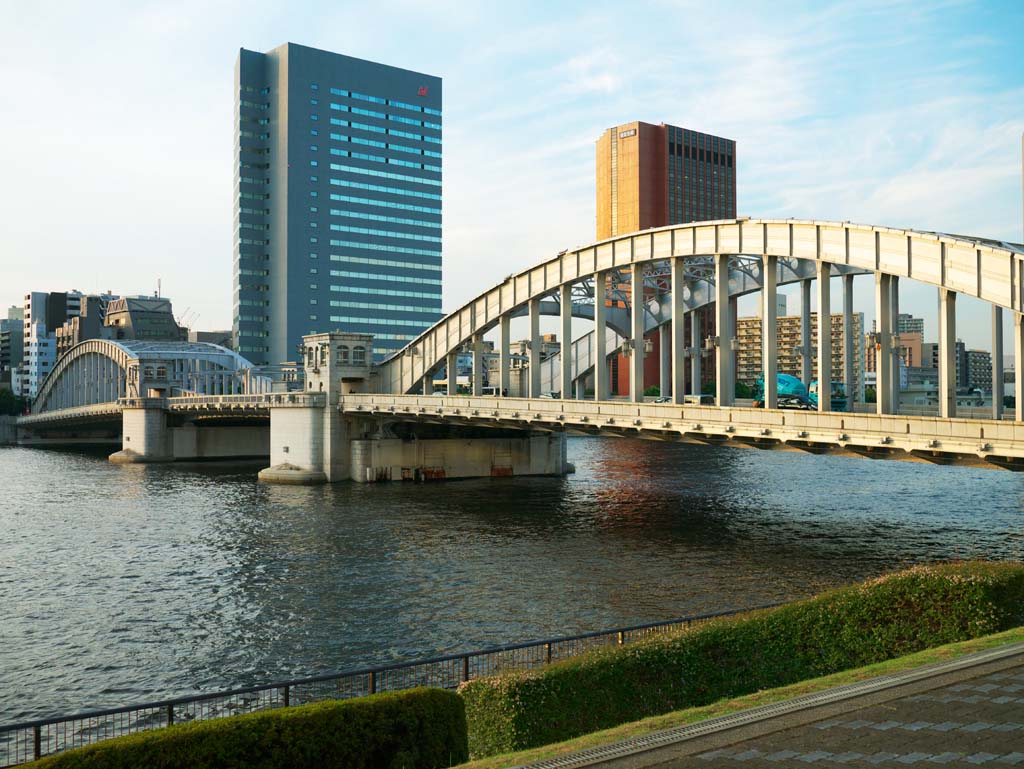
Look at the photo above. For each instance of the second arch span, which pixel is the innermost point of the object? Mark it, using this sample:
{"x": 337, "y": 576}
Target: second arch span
{"x": 713, "y": 262}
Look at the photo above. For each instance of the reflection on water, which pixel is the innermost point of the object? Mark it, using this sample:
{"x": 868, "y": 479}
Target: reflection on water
{"x": 122, "y": 583}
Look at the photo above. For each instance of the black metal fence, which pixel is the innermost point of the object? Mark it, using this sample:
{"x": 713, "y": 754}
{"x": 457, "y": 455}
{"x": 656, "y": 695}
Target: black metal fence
{"x": 27, "y": 741}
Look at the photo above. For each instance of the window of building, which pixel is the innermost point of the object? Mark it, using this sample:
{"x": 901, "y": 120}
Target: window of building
{"x": 314, "y": 102}
{"x": 359, "y": 356}
{"x": 313, "y": 225}
{"x": 312, "y": 301}
{"x": 313, "y": 286}
{"x": 312, "y": 148}
{"x": 313, "y": 256}
{"x": 314, "y": 87}
{"x": 312, "y": 317}
{"x": 313, "y": 132}
{"x": 313, "y": 117}
{"x": 313, "y": 270}
{"x": 314, "y": 194}
{"x": 313, "y": 179}
{"x": 343, "y": 358}
{"x": 313, "y": 163}
{"x": 314, "y": 239}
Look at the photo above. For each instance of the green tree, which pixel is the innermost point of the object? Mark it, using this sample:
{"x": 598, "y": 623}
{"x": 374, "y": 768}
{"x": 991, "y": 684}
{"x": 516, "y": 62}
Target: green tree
{"x": 653, "y": 390}
{"x": 869, "y": 395}
{"x": 11, "y": 404}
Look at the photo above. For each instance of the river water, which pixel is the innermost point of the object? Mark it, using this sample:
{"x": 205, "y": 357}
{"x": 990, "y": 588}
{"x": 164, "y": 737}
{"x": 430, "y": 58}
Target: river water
{"x": 121, "y": 584}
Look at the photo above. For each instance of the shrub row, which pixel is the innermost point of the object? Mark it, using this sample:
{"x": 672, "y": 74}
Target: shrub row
{"x": 873, "y": 621}
{"x": 414, "y": 729}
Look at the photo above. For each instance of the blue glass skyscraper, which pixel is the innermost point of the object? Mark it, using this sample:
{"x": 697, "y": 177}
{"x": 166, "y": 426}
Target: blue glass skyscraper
{"x": 337, "y": 200}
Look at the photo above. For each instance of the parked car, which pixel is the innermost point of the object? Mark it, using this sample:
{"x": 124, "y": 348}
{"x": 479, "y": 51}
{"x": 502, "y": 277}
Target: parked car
{"x": 799, "y": 402}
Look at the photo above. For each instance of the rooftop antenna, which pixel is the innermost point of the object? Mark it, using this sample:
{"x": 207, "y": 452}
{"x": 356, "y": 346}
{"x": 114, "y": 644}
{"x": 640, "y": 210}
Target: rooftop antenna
{"x": 157, "y": 294}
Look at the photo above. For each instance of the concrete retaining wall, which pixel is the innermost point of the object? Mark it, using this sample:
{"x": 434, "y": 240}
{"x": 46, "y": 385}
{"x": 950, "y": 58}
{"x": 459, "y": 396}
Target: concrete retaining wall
{"x": 382, "y": 459}
{"x": 8, "y": 431}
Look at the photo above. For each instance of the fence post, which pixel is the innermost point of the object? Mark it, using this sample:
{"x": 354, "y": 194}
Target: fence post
{"x": 170, "y": 714}
{"x": 621, "y": 638}
{"x": 465, "y": 668}
{"x": 287, "y": 695}
{"x": 547, "y": 652}
{"x": 373, "y": 682}
{"x": 37, "y": 742}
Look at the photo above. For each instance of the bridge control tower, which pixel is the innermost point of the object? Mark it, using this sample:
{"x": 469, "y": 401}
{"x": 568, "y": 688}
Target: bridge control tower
{"x": 309, "y": 436}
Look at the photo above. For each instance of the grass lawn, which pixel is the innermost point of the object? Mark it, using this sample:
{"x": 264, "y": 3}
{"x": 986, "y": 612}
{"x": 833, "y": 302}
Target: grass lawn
{"x": 726, "y": 706}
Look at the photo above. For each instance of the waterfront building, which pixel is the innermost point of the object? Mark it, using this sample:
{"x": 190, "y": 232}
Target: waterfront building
{"x": 222, "y": 338}
{"x": 908, "y": 324}
{"x": 910, "y": 350}
{"x": 930, "y": 359}
{"x": 149, "y": 318}
{"x": 337, "y": 200}
{"x": 44, "y": 312}
{"x": 11, "y": 345}
{"x": 749, "y": 366}
{"x": 653, "y": 176}
{"x": 979, "y": 370}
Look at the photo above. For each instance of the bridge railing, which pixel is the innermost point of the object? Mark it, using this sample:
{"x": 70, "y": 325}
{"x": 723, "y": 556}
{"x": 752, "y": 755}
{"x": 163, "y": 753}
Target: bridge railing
{"x": 23, "y": 742}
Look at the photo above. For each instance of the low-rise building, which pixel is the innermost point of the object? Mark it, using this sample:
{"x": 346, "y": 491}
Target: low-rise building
{"x": 749, "y": 367}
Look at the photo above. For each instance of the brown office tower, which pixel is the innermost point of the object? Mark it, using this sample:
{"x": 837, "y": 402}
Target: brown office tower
{"x": 656, "y": 175}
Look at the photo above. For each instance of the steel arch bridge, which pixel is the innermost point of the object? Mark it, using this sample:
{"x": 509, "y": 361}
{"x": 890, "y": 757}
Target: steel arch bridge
{"x": 93, "y": 376}
{"x": 684, "y": 267}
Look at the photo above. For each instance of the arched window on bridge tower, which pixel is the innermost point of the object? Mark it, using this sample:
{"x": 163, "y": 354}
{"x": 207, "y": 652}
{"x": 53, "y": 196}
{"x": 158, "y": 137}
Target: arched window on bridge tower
{"x": 323, "y": 354}
{"x": 343, "y": 359}
{"x": 161, "y": 372}
{"x": 148, "y": 373}
{"x": 359, "y": 356}
{"x": 309, "y": 357}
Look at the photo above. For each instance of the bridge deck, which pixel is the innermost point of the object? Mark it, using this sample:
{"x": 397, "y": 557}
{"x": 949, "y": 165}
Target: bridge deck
{"x": 973, "y": 442}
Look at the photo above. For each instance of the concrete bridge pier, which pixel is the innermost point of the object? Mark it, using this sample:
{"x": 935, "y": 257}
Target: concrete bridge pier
{"x": 309, "y": 436}
{"x": 145, "y": 436}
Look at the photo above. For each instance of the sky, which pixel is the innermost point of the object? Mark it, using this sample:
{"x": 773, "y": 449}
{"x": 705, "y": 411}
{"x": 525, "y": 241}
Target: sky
{"x": 116, "y": 145}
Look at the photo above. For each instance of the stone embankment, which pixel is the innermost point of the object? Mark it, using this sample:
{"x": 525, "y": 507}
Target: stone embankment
{"x": 8, "y": 431}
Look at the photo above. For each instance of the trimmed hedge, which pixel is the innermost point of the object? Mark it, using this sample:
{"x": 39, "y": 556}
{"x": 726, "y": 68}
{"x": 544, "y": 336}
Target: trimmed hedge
{"x": 414, "y": 729}
{"x": 846, "y": 628}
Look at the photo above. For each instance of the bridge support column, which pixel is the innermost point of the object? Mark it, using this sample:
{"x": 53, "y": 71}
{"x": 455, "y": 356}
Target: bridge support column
{"x": 697, "y": 345}
{"x": 883, "y": 355}
{"x": 769, "y": 330}
{"x": 566, "y": 356}
{"x": 600, "y": 337}
{"x": 849, "y": 377}
{"x": 636, "y": 379}
{"x": 145, "y": 437}
{"x": 997, "y": 362}
{"x": 504, "y": 342}
{"x": 534, "y": 347}
{"x": 947, "y": 353}
{"x": 897, "y": 349}
{"x": 725, "y": 372}
{"x": 678, "y": 331}
{"x": 806, "y": 367}
{"x": 1018, "y": 366}
{"x": 452, "y": 372}
{"x": 478, "y": 365}
{"x": 824, "y": 336}
{"x": 665, "y": 364}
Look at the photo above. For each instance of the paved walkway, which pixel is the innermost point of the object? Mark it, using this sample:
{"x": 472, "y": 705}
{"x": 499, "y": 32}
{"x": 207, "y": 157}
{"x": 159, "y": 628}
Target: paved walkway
{"x": 978, "y": 722}
{"x": 967, "y": 712}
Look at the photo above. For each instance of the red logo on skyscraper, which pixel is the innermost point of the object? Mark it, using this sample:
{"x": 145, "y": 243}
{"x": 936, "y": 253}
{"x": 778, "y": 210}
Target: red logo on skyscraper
{"x": 422, "y": 91}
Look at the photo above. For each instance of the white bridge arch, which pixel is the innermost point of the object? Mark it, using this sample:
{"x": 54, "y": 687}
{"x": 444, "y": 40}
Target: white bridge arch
{"x": 101, "y": 371}
{"x": 713, "y": 262}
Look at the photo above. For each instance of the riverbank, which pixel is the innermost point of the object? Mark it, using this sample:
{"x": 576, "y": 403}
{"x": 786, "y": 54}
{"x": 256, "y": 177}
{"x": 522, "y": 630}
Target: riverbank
{"x": 726, "y": 707}
{"x": 8, "y": 430}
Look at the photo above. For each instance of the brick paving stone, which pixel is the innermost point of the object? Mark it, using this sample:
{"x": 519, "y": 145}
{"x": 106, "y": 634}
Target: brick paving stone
{"x": 879, "y": 757}
{"x": 1013, "y": 759}
{"x": 782, "y": 755}
{"x": 843, "y": 758}
{"x": 917, "y": 726}
{"x": 945, "y": 758}
{"x": 980, "y": 758}
{"x": 977, "y": 726}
